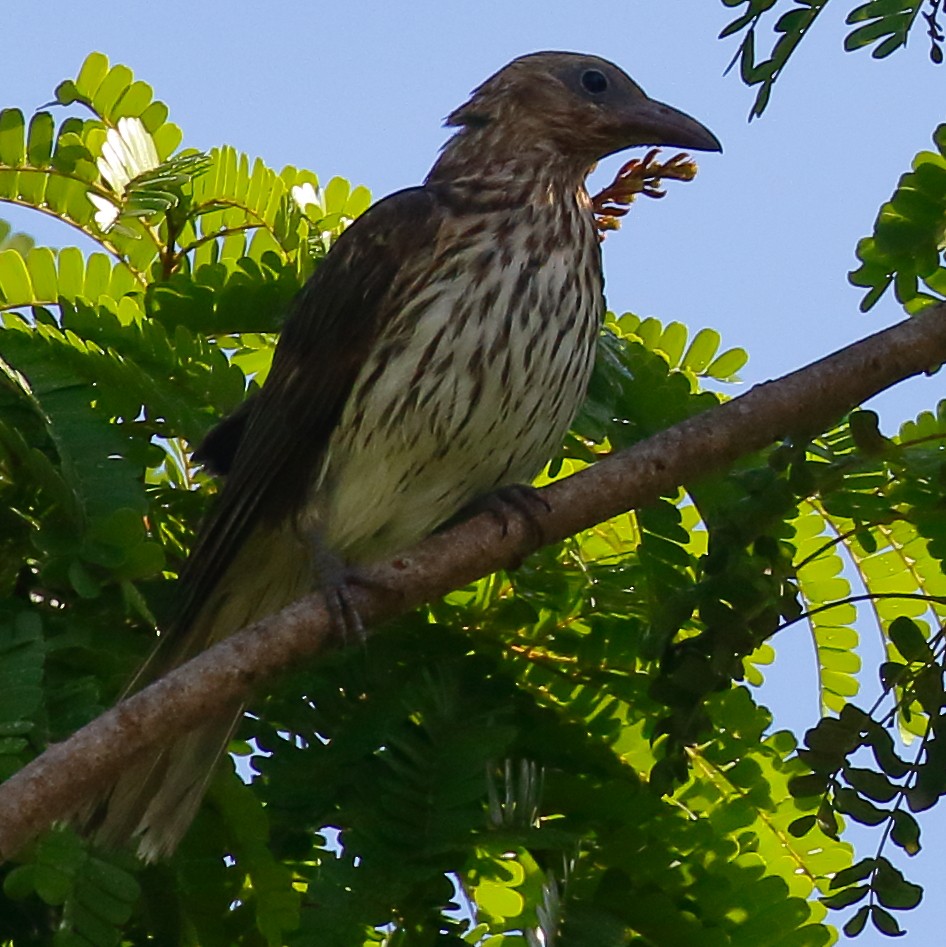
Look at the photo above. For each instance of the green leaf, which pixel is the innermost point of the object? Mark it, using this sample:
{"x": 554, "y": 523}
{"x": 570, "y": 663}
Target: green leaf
{"x": 893, "y": 673}
{"x": 811, "y": 784}
{"x": 802, "y": 825}
{"x": 18, "y": 884}
{"x": 857, "y": 872}
{"x": 856, "y": 924}
{"x": 40, "y": 140}
{"x": 866, "y": 35}
{"x": 909, "y": 640}
{"x": 91, "y": 74}
{"x": 868, "y": 782}
{"x": 893, "y": 890}
{"x": 12, "y": 137}
{"x": 702, "y": 350}
{"x": 15, "y": 285}
{"x": 846, "y": 897}
{"x": 885, "y": 922}
{"x": 113, "y": 85}
{"x": 726, "y": 366}
{"x": 865, "y": 429}
{"x": 905, "y": 832}
{"x": 858, "y": 808}
{"x": 672, "y": 342}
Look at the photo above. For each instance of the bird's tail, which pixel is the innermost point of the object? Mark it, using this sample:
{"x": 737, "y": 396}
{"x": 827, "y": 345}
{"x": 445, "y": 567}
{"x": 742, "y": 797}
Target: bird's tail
{"x": 154, "y": 800}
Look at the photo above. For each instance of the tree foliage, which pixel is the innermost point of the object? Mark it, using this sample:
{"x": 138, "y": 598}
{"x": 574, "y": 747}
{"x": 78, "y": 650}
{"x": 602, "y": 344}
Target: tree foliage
{"x": 572, "y": 751}
{"x": 883, "y": 26}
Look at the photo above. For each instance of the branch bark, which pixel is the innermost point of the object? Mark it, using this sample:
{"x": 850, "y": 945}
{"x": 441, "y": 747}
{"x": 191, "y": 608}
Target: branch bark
{"x": 803, "y": 403}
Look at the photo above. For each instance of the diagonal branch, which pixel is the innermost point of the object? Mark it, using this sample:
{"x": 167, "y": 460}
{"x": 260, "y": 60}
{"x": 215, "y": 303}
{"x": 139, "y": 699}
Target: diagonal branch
{"x": 803, "y": 403}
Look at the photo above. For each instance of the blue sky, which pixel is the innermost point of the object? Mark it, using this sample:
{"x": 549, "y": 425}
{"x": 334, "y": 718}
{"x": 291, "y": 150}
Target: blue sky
{"x": 758, "y": 247}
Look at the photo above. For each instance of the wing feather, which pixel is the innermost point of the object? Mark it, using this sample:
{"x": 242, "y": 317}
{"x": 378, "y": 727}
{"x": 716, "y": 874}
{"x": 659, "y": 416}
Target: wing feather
{"x": 273, "y": 445}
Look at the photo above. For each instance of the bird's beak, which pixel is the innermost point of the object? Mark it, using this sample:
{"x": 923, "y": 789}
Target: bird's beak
{"x": 653, "y": 123}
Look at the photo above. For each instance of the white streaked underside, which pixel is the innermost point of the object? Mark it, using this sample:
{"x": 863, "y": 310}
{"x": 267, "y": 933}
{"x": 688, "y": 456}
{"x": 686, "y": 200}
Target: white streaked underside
{"x": 495, "y": 376}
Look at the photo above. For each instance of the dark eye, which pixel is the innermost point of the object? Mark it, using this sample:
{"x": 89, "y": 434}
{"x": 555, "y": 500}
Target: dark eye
{"x": 594, "y": 81}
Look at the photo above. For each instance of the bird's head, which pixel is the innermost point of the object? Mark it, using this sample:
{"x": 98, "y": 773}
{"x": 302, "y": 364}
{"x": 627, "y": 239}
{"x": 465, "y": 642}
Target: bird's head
{"x": 580, "y": 106}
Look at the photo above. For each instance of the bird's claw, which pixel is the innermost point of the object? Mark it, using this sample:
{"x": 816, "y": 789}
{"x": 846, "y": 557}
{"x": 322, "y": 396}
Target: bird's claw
{"x": 335, "y": 578}
{"x": 525, "y": 500}
{"x": 346, "y": 621}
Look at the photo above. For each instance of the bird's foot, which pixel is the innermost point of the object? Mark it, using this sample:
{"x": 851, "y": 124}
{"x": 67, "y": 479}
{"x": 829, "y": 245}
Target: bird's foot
{"x": 525, "y": 500}
{"x": 344, "y": 616}
{"x": 335, "y": 577}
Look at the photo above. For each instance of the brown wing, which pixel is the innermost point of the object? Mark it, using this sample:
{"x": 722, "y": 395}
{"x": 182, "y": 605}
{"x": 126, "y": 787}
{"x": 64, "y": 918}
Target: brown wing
{"x": 273, "y": 445}
{"x": 217, "y": 451}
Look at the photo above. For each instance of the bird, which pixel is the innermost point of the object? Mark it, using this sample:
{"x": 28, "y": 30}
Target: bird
{"x": 437, "y": 354}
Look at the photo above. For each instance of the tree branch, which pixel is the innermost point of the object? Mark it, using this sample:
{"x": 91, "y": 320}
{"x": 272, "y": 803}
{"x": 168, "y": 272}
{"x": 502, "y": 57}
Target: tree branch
{"x": 803, "y": 404}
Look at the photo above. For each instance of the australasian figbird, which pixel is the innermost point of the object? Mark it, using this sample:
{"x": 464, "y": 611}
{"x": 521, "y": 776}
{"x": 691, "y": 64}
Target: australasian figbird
{"x": 439, "y": 352}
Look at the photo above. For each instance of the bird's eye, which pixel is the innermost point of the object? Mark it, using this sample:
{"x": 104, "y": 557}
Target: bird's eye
{"x": 594, "y": 81}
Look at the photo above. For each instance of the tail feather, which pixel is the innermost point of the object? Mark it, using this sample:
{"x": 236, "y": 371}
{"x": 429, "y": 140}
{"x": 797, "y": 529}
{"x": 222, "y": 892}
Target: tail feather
{"x": 155, "y": 799}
